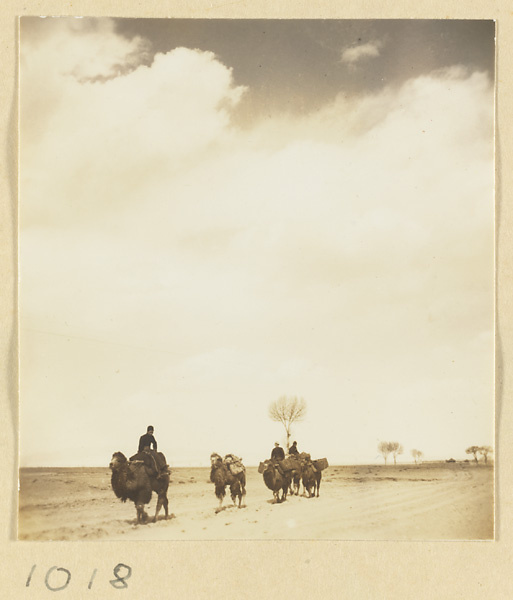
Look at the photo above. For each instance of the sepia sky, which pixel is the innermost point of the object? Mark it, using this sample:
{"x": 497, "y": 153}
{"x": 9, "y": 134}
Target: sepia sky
{"x": 217, "y": 213}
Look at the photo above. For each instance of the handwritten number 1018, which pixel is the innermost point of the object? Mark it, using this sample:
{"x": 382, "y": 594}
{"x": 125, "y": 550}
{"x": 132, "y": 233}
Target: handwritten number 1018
{"x": 58, "y": 578}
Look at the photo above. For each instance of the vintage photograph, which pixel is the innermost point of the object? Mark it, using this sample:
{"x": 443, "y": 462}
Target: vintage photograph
{"x": 256, "y": 279}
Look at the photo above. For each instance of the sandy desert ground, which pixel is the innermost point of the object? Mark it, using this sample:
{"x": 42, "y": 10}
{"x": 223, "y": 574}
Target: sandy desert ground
{"x": 434, "y": 501}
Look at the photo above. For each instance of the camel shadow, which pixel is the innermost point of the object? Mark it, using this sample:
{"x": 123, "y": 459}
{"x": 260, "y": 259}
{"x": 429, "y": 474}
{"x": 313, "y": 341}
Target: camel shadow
{"x": 164, "y": 518}
{"x": 149, "y": 520}
{"x": 228, "y": 507}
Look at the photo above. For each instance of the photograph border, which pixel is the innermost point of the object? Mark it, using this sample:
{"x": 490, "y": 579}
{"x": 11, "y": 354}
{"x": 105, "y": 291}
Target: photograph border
{"x": 209, "y": 569}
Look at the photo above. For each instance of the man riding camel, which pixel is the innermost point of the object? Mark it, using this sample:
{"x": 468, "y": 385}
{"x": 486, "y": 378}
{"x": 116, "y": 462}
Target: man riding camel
{"x": 146, "y": 441}
{"x": 277, "y": 455}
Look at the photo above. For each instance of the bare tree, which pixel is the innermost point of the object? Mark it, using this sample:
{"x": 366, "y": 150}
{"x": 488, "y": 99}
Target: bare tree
{"x": 485, "y": 451}
{"x": 417, "y": 455}
{"x": 287, "y": 410}
{"x": 395, "y": 448}
{"x": 473, "y": 450}
{"x": 384, "y": 449}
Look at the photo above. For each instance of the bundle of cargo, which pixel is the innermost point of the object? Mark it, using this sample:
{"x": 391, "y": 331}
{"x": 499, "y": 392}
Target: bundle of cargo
{"x": 290, "y": 464}
{"x": 262, "y": 466}
{"x": 320, "y": 464}
{"x": 234, "y": 463}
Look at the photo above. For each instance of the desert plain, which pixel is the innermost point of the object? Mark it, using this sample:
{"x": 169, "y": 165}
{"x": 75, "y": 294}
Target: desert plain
{"x": 431, "y": 501}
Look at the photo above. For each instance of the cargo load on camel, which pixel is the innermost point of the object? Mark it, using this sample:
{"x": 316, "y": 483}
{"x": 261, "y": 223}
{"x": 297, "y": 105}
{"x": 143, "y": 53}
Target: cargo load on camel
{"x": 234, "y": 463}
{"x": 228, "y": 471}
{"x": 320, "y": 464}
{"x": 290, "y": 464}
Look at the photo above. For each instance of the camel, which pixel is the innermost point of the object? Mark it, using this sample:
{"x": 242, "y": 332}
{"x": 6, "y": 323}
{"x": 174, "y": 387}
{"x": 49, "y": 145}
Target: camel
{"x": 311, "y": 479}
{"x": 134, "y": 481}
{"x": 295, "y": 482}
{"x": 221, "y": 476}
{"x": 294, "y": 465}
{"x": 275, "y": 481}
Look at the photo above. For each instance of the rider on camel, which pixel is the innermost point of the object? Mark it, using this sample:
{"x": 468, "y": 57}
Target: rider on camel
{"x": 277, "y": 455}
{"x": 146, "y": 442}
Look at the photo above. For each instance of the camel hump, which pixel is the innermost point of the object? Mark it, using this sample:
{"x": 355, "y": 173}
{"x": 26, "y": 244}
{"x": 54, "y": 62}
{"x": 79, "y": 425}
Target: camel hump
{"x": 137, "y": 457}
{"x": 162, "y": 459}
{"x": 234, "y": 463}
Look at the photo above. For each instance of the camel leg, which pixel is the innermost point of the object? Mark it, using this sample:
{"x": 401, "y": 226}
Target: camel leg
{"x": 157, "y": 510}
{"x": 242, "y": 492}
{"x": 220, "y": 493}
{"x": 140, "y": 513}
{"x": 166, "y": 504}
{"x": 236, "y": 492}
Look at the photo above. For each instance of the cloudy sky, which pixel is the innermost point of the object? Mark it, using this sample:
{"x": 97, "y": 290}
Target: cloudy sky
{"x": 214, "y": 214}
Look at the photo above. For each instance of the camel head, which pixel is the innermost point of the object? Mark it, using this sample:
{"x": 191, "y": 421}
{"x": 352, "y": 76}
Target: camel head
{"x": 269, "y": 467}
{"x": 215, "y": 459}
{"x": 117, "y": 461}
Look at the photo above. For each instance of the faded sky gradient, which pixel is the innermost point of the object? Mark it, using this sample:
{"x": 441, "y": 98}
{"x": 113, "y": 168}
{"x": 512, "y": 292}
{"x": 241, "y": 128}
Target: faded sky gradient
{"x": 217, "y": 213}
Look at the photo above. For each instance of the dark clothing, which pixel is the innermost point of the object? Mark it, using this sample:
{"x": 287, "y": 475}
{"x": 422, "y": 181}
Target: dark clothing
{"x": 146, "y": 440}
{"x": 278, "y": 453}
{"x": 293, "y": 449}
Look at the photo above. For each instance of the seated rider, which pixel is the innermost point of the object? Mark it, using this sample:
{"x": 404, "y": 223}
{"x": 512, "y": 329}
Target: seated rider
{"x": 277, "y": 455}
{"x": 293, "y": 449}
{"x": 146, "y": 441}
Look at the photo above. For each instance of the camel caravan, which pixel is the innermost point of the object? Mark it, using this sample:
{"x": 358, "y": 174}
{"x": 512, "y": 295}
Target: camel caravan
{"x": 147, "y": 471}
{"x": 286, "y": 475}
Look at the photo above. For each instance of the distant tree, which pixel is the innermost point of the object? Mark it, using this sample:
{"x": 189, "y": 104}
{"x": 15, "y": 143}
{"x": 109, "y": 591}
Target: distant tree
{"x": 384, "y": 449}
{"x": 287, "y": 410}
{"x": 417, "y": 455}
{"x": 395, "y": 448}
{"x": 485, "y": 451}
{"x": 473, "y": 450}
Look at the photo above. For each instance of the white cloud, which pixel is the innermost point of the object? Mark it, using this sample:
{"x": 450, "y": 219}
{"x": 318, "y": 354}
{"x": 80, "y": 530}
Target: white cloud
{"x": 355, "y": 54}
{"x": 111, "y": 135}
{"x": 345, "y": 256}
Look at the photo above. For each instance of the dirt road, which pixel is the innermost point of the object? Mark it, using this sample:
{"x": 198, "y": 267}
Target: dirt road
{"x": 436, "y": 501}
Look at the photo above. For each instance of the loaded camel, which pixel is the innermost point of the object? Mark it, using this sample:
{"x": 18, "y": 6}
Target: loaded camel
{"x": 311, "y": 475}
{"x": 135, "y": 481}
{"x": 226, "y": 472}
{"x": 275, "y": 480}
{"x": 295, "y": 482}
